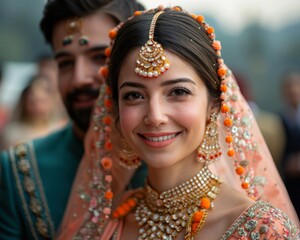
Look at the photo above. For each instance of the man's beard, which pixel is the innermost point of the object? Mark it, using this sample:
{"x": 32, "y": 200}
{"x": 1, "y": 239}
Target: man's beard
{"x": 80, "y": 116}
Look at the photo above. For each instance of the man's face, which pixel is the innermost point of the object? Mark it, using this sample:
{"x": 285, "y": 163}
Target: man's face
{"x": 78, "y": 78}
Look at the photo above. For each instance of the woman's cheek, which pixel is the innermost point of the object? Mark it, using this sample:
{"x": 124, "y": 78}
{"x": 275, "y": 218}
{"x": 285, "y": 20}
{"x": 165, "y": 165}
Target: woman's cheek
{"x": 129, "y": 119}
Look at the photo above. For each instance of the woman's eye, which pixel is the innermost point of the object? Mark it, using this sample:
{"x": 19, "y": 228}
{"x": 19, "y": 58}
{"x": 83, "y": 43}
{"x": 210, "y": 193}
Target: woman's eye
{"x": 180, "y": 92}
{"x": 99, "y": 58}
{"x": 132, "y": 96}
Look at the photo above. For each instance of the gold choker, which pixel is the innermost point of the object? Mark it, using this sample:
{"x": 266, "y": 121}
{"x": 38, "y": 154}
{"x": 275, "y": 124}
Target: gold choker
{"x": 163, "y": 216}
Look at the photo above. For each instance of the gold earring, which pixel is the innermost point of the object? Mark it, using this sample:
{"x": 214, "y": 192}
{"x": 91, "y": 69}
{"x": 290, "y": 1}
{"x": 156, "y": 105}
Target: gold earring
{"x": 128, "y": 158}
{"x": 209, "y": 149}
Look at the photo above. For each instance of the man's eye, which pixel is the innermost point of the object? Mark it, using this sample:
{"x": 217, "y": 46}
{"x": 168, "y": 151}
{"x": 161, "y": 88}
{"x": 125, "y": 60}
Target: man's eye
{"x": 99, "y": 58}
{"x": 64, "y": 64}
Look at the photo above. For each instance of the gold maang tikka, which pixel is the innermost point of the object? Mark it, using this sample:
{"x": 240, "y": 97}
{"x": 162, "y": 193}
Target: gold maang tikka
{"x": 152, "y": 61}
{"x": 73, "y": 26}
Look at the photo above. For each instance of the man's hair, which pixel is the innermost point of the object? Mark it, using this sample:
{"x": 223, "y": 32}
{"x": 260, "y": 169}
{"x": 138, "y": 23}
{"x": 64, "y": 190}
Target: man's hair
{"x": 56, "y": 11}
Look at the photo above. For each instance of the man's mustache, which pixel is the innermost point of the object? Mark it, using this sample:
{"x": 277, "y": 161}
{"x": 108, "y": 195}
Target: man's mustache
{"x": 92, "y": 92}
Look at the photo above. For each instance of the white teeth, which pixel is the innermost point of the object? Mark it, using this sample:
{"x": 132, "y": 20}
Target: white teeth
{"x": 161, "y": 138}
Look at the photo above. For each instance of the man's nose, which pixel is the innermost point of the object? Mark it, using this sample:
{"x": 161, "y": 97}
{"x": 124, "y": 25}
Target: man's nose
{"x": 83, "y": 74}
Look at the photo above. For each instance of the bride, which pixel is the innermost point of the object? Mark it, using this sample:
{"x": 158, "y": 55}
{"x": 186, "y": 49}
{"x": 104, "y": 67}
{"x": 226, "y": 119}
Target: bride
{"x": 178, "y": 107}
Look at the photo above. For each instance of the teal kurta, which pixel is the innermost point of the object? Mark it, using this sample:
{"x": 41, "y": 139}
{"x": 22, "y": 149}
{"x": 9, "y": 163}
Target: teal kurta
{"x": 57, "y": 157}
{"x": 53, "y": 164}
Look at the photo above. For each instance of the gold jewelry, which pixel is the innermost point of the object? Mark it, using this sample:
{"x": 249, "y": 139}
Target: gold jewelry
{"x": 209, "y": 149}
{"x": 152, "y": 61}
{"x": 128, "y": 158}
{"x": 73, "y": 26}
{"x": 163, "y": 216}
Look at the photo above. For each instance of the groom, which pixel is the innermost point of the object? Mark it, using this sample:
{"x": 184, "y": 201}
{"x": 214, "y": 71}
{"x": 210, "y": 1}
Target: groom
{"x": 36, "y": 177}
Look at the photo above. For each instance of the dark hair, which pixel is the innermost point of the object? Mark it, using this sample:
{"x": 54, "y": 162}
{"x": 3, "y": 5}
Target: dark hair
{"x": 56, "y": 11}
{"x": 176, "y": 31}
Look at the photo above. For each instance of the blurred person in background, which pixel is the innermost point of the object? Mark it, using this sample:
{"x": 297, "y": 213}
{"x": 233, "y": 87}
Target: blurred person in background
{"x": 33, "y": 116}
{"x": 291, "y": 121}
{"x": 37, "y": 176}
{"x": 267, "y": 122}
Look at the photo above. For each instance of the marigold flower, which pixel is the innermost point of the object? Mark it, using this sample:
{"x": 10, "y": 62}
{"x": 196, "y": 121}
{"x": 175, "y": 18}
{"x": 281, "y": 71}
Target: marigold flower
{"x": 205, "y": 203}
{"x": 223, "y": 88}
{"x": 230, "y": 153}
{"x": 137, "y": 13}
{"x": 107, "y": 52}
{"x": 131, "y": 202}
{"x": 197, "y": 217}
{"x": 217, "y": 45}
{"x": 112, "y": 33}
{"x": 222, "y": 72}
{"x": 245, "y": 185}
{"x": 108, "y": 145}
{"x": 108, "y": 103}
{"x": 106, "y": 163}
{"x": 178, "y": 9}
{"x": 227, "y": 122}
{"x": 194, "y": 227}
{"x": 224, "y": 108}
{"x": 228, "y": 139}
{"x": 108, "y": 195}
{"x": 103, "y": 71}
{"x": 210, "y": 30}
{"x": 107, "y": 120}
{"x": 200, "y": 19}
{"x": 239, "y": 170}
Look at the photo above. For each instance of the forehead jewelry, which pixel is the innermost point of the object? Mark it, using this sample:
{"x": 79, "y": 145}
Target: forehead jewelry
{"x": 152, "y": 61}
{"x": 74, "y": 26}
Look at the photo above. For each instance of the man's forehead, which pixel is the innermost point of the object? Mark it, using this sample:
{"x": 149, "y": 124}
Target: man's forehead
{"x": 94, "y": 27}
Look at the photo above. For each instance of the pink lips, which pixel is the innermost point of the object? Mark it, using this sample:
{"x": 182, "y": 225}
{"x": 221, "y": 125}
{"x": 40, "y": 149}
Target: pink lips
{"x": 158, "y": 140}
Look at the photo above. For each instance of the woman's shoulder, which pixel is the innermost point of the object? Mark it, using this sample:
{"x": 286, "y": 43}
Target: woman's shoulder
{"x": 262, "y": 221}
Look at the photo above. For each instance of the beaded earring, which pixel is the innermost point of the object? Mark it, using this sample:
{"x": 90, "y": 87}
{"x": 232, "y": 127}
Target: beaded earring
{"x": 209, "y": 149}
{"x": 127, "y": 157}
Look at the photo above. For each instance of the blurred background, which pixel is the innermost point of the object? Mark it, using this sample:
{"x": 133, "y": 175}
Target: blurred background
{"x": 260, "y": 38}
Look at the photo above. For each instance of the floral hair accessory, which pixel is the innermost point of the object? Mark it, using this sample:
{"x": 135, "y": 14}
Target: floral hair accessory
{"x": 152, "y": 61}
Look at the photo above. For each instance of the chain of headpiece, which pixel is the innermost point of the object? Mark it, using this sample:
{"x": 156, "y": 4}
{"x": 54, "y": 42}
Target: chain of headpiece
{"x": 152, "y": 61}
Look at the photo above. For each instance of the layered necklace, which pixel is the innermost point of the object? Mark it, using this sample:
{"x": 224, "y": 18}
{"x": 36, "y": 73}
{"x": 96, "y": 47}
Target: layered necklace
{"x": 164, "y": 215}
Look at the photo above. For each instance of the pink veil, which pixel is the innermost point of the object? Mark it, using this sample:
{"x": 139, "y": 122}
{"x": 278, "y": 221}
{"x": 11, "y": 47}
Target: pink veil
{"x": 261, "y": 176}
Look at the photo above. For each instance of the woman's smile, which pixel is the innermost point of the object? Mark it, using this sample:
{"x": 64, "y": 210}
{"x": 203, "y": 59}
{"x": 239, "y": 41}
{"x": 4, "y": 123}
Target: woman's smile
{"x": 158, "y": 139}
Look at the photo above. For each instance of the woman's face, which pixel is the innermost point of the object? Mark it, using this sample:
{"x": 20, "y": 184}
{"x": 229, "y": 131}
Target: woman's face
{"x": 163, "y": 118}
